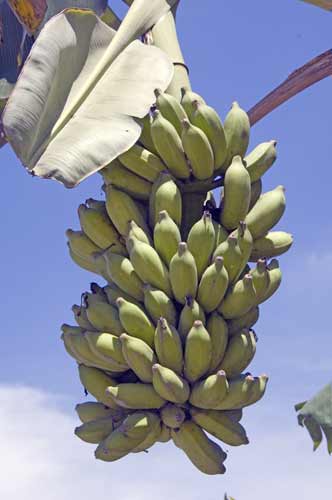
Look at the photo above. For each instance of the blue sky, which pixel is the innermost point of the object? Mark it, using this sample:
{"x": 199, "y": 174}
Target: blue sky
{"x": 235, "y": 50}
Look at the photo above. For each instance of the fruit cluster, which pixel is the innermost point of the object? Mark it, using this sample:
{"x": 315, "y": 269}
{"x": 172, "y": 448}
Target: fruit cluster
{"x": 164, "y": 346}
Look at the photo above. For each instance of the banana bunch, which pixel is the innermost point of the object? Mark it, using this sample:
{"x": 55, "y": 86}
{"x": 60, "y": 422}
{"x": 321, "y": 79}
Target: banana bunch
{"x": 164, "y": 347}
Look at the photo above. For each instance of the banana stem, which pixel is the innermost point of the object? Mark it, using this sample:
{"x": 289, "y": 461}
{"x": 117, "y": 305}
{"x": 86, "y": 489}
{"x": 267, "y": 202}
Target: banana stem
{"x": 165, "y": 37}
{"x": 192, "y": 209}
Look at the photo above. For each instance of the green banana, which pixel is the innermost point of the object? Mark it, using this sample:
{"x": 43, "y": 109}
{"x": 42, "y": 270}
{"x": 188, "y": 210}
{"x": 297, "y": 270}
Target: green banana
{"x": 238, "y": 392}
{"x": 201, "y": 242}
{"x": 89, "y": 411}
{"x": 239, "y": 354}
{"x": 245, "y": 243}
{"x": 158, "y": 304}
{"x": 240, "y": 299}
{"x": 145, "y": 137}
{"x": 237, "y": 132}
{"x": 169, "y": 146}
{"x": 219, "y": 425}
{"x": 122, "y": 209}
{"x": 266, "y": 212}
{"x": 85, "y": 263}
{"x": 117, "y": 175}
{"x": 198, "y": 150}
{"x": 188, "y": 99}
{"x": 95, "y": 382}
{"x": 191, "y": 312}
{"x": 273, "y": 244}
{"x": 165, "y": 196}
{"x": 142, "y": 162}
{"x": 209, "y": 392}
{"x": 204, "y": 453}
{"x": 169, "y": 385}
{"x": 198, "y": 352}
{"x": 151, "y": 438}
{"x": 256, "y": 191}
{"x": 95, "y": 431}
{"x": 81, "y": 317}
{"x": 210, "y": 201}
{"x": 171, "y": 109}
{"x": 148, "y": 265}
{"x": 173, "y": 416}
{"x": 113, "y": 292}
{"x": 123, "y": 274}
{"x": 135, "y": 322}
{"x": 81, "y": 245}
{"x": 220, "y": 232}
{"x": 77, "y": 347}
{"x": 168, "y": 346}
{"x": 107, "y": 346}
{"x": 183, "y": 274}
{"x": 261, "y": 279}
{"x": 139, "y": 356}
{"x": 102, "y": 315}
{"x": 134, "y": 231}
{"x": 135, "y": 396}
{"x": 166, "y": 236}
{"x": 99, "y": 291}
{"x": 232, "y": 255}
{"x": 218, "y": 331}
{"x": 207, "y": 119}
{"x": 261, "y": 159}
{"x": 275, "y": 279}
{"x": 117, "y": 445}
{"x": 237, "y": 191}
{"x": 213, "y": 285}
{"x": 98, "y": 205}
{"x": 165, "y": 434}
{"x": 248, "y": 320}
{"x": 98, "y": 227}
{"x": 257, "y": 390}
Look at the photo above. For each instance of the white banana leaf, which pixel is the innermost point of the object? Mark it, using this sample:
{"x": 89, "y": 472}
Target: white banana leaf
{"x": 72, "y": 109}
{"x": 324, "y": 4}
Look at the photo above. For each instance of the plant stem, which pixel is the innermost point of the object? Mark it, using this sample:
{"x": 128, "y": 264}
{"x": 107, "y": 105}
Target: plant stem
{"x": 192, "y": 209}
{"x": 312, "y": 72}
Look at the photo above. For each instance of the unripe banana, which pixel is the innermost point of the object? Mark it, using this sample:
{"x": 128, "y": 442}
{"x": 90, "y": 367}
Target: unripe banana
{"x": 208, "y": 393}
{"x": 166, "y": 236}
{"x": 198, "y": 352}
{"x": 191, "y": 312}
{"x": 188, "y": 99}
{"x": 165, "y": 434}
{"x": 261, "y": 159}
{"x": 89, "y": 411}
{"x": 169, "y": 146}
{"x": 257, "y": 390}
{"x": 240, "y": 299}
{"x": 85, "y": 263}
{"x": 98, "y": 227}
{"x": 256, "y": 191}
{"x": 95, "y": 382}
{"x": 135, "y": 322}
{"x": 171, "y": 109}
{"x": 81, "y": 317}
{"x": 117, "y": 175}
{"x": 168, "y": 346}
{"x": 239, "y": 354}
{"x": 77, "y": 347}
{"x": 98, "y": 205}
{"x": 139, "y": 356}
{"x": 220, "y": 233}
{"x": 95, "y": 431}
{"x": 218, "y": 331}
{"x": 113, "y": 292}
{"x": 102, "y": 316}
{"x": 219, "y": 425}
{"x": 107, "y": 346}
{"x": 273, "y": 244}
{"x": 151, "y": 438}
{"x": 183, "y": 274}
{"x": 173, "y": 416}
{"x": 135, "y": 396}
{"x": 158, "y": 304}
{"x": 201, "y": 242}
{"x": 99, "y": 292}
{"x": 232, "y": 255}
{"x": 122, "y": 209}
{"x": 165, "y": 196}
{"x": 237, "y": 132}
{"x": 266, "y": 213}
{"x": 145, "y": 137}
{"x": 134, "y": 231}
{"x": 238, "y": 392}
{"x": 198, "y": 150}
{"x": 207, "y": 119}
{"x": 213, "y": 285}
{"x": 142, "y": 162}
{"x": 245, "y": 243}
{"x": 275, "y": 279}
{"x": 100, "y": 262}
{"x": 234, "y": 415}
{"x": 123, "y": 274}
{"x": 205, "y": 454}
{"x": 117, "y": 445}
{"x": 81, "y": 245}
{"x": 148, "y": 265}
{"x": 248, "y": 320}
{"x": 237, "y": 191}
{"x": 261, "y": 279}
{"x": 169, "y": 385}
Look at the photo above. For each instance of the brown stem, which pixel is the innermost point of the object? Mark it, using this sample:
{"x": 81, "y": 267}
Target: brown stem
{"x": 315, "y": 70}
{"x": 192, "y": 210}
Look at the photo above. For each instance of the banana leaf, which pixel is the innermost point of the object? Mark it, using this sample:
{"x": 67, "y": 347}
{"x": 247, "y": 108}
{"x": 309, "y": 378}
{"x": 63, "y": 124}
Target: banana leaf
{"x": 323, "y": 4}
{"x": 57, "y": 126}
{"x": 316, "y": 416}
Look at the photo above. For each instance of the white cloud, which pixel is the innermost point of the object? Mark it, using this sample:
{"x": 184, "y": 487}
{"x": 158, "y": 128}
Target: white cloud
{"x": 41, "y": 459}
